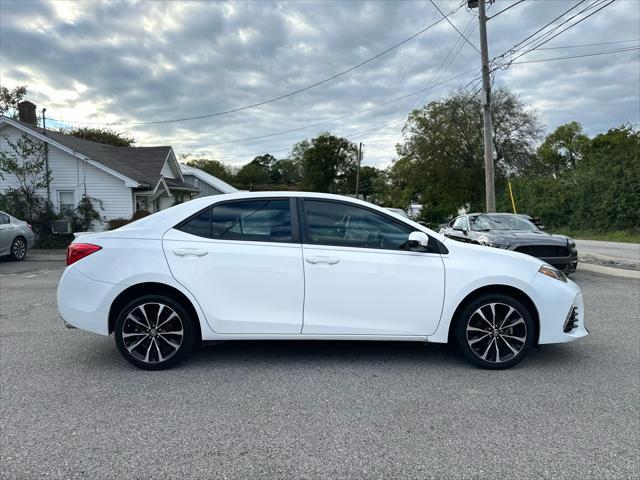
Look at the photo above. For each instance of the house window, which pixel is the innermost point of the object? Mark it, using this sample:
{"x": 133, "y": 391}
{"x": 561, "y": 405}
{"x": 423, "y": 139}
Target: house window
{"x": 142, "y": 202}
{"x": 66, "y": 202}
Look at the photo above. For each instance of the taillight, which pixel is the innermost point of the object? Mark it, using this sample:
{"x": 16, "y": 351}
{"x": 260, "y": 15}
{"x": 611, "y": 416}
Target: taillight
{"x": 30, "y": 227}
{"x": 77, "y": 251}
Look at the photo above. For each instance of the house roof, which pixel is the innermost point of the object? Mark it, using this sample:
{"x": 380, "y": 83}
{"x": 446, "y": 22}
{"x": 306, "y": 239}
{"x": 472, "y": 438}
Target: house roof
{"x": 141, "y": 164}
{"x": 174, "y": 183}
{"x": 215, "y": 182}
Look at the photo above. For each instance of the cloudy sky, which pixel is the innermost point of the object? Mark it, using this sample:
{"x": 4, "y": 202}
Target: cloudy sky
{"x": 150, "y": 61}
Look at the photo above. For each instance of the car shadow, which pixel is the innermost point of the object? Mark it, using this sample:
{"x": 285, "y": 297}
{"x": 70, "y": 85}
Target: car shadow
{"x": 293, "y": 355}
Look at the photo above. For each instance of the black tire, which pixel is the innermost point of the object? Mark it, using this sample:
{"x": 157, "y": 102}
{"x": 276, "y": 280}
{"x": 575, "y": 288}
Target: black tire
{"x": 156, "y": 350}
{"x": 494, "y": 347}
{"x": 18, "y": 249}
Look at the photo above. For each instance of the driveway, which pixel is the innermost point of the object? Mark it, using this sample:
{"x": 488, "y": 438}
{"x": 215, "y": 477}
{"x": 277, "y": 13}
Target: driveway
{"x": 73, "y": 408}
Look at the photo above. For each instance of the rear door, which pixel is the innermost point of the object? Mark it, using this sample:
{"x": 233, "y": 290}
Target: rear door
{"x": 242, "y": 260}
{"x": 360, "y": 277}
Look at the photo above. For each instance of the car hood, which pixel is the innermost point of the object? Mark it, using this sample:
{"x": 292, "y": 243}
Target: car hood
{"x": 483, "y": 254}
{"x": 510, "y": 237}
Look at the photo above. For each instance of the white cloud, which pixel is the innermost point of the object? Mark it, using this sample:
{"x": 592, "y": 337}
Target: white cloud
{"x": 148, "y": 61}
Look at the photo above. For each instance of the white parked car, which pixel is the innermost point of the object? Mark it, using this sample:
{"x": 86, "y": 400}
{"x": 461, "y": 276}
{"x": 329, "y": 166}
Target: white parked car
{"x": 300, "y": 266}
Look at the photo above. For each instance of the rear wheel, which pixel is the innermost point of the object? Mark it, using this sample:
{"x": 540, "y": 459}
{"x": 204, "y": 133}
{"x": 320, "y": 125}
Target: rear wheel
{"x": 154, "y": 332}
{"x": 18, "y": 248}
{"x": 495, "y": 332}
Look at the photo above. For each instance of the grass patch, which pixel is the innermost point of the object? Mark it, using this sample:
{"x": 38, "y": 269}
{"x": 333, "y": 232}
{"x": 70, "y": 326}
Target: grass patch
{"x": 614, "y": 236}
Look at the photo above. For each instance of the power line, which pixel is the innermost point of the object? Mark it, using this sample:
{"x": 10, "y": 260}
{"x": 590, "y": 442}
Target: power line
{"x": 444, "y": 65}
{"x": 541, "y": 28}
{"x": 593, "y": 54}
{"x": 538, "y": 45}
{"x": 274, "y": 99}
{"x": 538, "y": 38}
{"x": 446, "y": 17}
{"x": 589, "y": 44}
{"x": 342, "y": 117}
{"x": 505, "y": 9}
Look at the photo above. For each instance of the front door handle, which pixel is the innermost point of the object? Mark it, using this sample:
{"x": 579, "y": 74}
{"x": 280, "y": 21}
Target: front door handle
{"x": 184, "y": 252}
{"x": 324, "y": 260}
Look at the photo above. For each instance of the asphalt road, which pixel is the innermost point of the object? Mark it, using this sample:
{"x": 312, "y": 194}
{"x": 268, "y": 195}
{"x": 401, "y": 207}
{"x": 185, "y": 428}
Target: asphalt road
{"x": 614, "y": 251}
{"x": 72, "y": 408}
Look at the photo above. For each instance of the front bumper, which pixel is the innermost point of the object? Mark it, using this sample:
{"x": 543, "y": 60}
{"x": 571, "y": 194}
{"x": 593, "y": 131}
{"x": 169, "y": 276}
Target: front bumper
{"x": 556, "y": 302}
{"x": 566, "y": 263}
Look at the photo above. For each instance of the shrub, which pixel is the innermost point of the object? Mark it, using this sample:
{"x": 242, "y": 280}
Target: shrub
{"x": 120, "y": 222}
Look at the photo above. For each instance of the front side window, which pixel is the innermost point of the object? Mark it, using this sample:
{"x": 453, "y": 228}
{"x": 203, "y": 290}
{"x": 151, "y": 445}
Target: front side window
{"x": 66, "y": 202}
{"x": 254, "y": 220}
{"x": 332, "y": 223}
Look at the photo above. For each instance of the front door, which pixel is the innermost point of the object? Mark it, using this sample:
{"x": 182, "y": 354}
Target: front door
{"x": 361, "y": 279}
{"x": 242, "y": 261}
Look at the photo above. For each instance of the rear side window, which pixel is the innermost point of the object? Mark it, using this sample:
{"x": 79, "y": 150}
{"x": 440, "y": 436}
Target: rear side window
{"x": 4, "y": 218}
{"x": 199, "y": 225}
{"x": 255, "y": 220}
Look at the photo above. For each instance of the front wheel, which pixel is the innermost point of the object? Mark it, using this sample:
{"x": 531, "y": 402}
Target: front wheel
{"x": 154, "y": 332}
{"x": 495, "y": 332}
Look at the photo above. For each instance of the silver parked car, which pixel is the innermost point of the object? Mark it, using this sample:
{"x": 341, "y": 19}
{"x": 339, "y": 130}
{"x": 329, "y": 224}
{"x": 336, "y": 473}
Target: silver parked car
{"x": 16, "y": 237}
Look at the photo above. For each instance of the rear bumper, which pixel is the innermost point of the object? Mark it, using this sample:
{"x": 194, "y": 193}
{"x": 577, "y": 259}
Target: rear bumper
{"x": 85, "y": 303}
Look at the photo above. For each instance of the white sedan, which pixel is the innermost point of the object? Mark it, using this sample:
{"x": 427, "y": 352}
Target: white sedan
{"x": 308, "y": 266}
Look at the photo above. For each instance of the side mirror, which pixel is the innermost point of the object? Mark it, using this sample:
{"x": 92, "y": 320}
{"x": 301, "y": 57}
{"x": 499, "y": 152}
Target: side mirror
{"x": 464, "y": 231}
{"x": 418, "y": 240}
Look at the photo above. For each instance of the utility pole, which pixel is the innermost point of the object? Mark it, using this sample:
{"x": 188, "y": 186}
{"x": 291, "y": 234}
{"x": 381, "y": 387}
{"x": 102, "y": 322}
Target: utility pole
{"x": 489, "y": 175}
{"x": 358, "y": 169}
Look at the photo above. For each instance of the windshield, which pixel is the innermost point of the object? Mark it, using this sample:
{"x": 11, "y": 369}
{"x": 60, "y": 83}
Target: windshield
{"x": 501, "y": 222}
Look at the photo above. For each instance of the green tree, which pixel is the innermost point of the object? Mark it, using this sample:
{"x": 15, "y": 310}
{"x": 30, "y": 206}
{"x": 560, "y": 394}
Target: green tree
{"x": 286, "y": 172}
{"x": 250, "y": 175}
{"x": 327, "y": 161}
{"x": 561, "y": 150}
{"x": 599, "y": 190}
{"x": 101, "y": 135}
{"x": 441, "y": 161}
{"x": 9, "y": 100}
{"x": 24, "y": 161}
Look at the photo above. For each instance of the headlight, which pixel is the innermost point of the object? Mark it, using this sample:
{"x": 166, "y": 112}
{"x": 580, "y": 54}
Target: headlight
{"x": 549, "y": 271}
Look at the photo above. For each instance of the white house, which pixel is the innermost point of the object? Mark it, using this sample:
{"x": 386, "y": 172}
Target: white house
{"x": 206, "y": 183}
{"x": 123, "y": 179}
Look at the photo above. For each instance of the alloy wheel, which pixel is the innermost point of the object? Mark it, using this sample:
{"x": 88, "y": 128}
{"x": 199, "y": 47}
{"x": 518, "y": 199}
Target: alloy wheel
{"x": 496, "y": 332}
{"x": 152, "y": 332}
{"x": 19, "y": 249}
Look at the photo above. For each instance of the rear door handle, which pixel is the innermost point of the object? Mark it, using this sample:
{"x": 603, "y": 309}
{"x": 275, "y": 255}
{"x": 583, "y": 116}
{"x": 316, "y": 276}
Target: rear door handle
{"x": 323, "y": 260}
{"x": 195, "y": 252}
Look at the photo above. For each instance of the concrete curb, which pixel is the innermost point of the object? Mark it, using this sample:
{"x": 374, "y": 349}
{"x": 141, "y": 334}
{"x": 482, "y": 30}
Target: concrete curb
{"x": 613, "y": 272}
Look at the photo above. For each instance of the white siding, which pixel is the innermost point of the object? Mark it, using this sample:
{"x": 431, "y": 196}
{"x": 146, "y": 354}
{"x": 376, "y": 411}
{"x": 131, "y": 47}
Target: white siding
{"x": 167, "y": 171}
{"x": 205, "y": 189}
{"x": 72, "y": 174}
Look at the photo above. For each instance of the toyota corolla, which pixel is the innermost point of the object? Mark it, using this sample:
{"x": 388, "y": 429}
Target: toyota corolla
{"x": 307, "y": 266}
